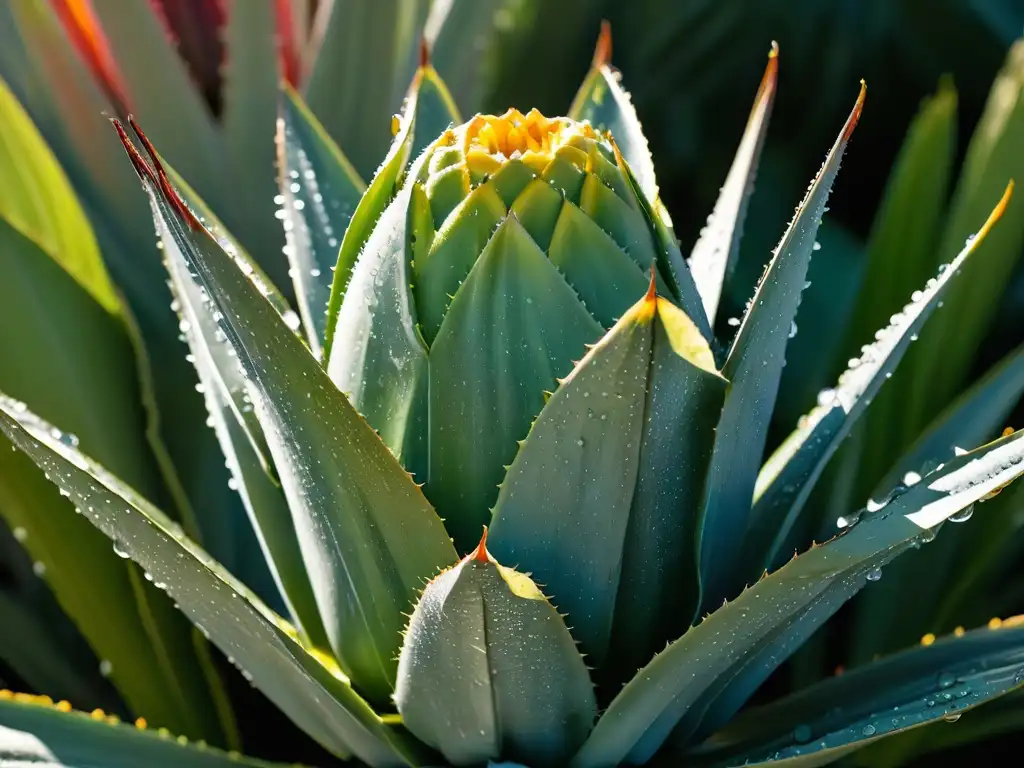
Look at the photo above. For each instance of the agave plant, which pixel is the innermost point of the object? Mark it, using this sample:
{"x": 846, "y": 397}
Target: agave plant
{"x": 510, "y": 485}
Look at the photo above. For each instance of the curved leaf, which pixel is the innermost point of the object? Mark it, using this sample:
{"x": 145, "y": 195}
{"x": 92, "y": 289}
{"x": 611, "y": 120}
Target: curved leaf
{"x": 36, "y": 733}
{"x": 716, "y": 250}
{"x": 754, "y": 366}
{"x": 597, "y": 504}
{"x": 702, "y": 679}
{"x": 319, "y": 191}
{"x": 789, "y": 476}
{"x": 941, "y": 680}
{"x": 367, "y": 534}
{"x": 316, "y": 696}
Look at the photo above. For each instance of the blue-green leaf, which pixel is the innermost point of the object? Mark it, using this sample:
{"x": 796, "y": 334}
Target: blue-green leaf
{"x": 367, "y": 535}
{"x": 817, "y": 725}
{"x": 598, "y": 503}
{"x": 700, "y": 681}
{"x": 754, "y": 366}
{"x": 308, "y": 688}
{"x": 789, "y": 476}
{"x": 715, "y": 252}
{"x": 319, "y": 191}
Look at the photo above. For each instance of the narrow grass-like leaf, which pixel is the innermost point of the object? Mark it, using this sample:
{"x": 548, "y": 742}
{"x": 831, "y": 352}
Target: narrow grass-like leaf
{"x": 602, "y": 100}
{"x": 715, "y": 252}
{"x": 367, "y": 212}
{"x": 817, "y": 725}
{"x": 319, "y": 191}
{"x": 701, "y": 680}
{"x": 754, "y": 366}
{"x": 583, "y": 525}
{"x": 789, "y": 476}
{"x": 367, "y": 534}
{"x": 250, "y": 83}
{"x": 317, "y": 697}
{"x": 35, "y": 732}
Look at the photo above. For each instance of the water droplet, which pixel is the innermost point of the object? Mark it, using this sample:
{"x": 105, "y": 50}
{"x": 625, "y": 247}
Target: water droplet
{"x": 123, "y": 554}
{"x": 874, "y": 575}
{"x": 106, "y": 668}
{"x": 733, "y": 321}
{"x": 20, "y": 534}
{"x": 792, "y": 330}
{"x": 868, "y": 730}
{"x": 39, "y": 568}
{"x": 847, "y": 521}
{"x": 946, "y": 679}
{"x": 802, "y": 734}
{"x": 911, "y": 478}
{"x": 963, "y": 515}
{"x": 951, "y": 717}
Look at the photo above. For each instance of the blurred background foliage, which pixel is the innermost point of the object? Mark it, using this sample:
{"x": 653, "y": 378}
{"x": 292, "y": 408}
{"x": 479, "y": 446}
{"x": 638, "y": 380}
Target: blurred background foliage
{"x": 917, "y": 175}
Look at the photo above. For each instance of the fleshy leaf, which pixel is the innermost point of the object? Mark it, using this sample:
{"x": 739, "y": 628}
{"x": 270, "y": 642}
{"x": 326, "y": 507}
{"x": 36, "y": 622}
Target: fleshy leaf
{"x": 367, "y": 535}
{"x": 754, "y": 366}
{"x": 582, "y": 524}
{"x": 940, "y": 680}
{"x": 316, "y": 696}
{"x": 790, "y": 474}
{"x": 715, "y": 252}
{"x": 319, "y": 191}
{"x": 35, "y": 732}
{"x": 699, "y": 682}
{"x": 602, "y": 100}
{"x": 435, "y": 108}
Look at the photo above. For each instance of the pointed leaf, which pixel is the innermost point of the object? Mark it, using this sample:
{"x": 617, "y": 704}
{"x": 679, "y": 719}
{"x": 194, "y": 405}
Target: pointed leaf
{"x": 367, "y": 534}
{"x": 513, "y": 327}
{"x": 603, "y": 101}
{"x": 753, "y": 367}
{"x": 320, "y": 191}
{"x": 716, "y": 250}
{"x": 701, "y": 680}
{"x": 36, "y": 733}
{"x": 582, "y": 524}
{"x": 435, "y": 108}
{"x": 789, "y": 476}
{"x": 941, "y": 680}
{"x": 317, "y": 697}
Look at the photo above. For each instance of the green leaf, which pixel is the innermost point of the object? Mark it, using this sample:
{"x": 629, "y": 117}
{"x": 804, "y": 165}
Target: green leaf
{"x": 701, "y": 680}
{"x": 938, "y": 367}
{"x": 305, "y": 687}
{"x": 716, "y": 250}
{"x": 353, "y": 101}
{"x": 367, "y": 534}
{"x": 513, "y": 327}
{"x": 921, "y": 685}
{"x": 754, "y": 366}
{"x": 593, "y": 506}
{"x": 602, "y": 100}
{"x": 789, "y": 476}
{"x": 320, "y": 191}
{"x": 250, "y": 88}
{"x": 36, "y": 199}
{"x": 34, "y": 733}
{"x": 435, "y": 108}
{"x": 367, "y": 212}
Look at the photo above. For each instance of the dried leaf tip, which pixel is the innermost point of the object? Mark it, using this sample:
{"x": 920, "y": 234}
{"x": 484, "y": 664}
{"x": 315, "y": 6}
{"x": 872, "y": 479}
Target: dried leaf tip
{"x": 169, "y": 192}
{"x": 424, "y": 53}
{"x": 603, "y": 49}
{"x": 141, "y": 166}
{"x": 652, "y": 287}
{"x": 858, "y": 107}
{"x": 480, "y": 553}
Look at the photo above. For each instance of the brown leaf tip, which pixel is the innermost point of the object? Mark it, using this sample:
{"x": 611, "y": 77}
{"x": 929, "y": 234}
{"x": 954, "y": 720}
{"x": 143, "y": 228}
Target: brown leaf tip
{"x": 603, "y": 49}
{"x": 424, "y": 53}
{"x": 141, "y": 166}
{"x": 169, "y": 192}
{"x": 480, "y": 554}
{"x": 858, "y": 107}
{"x": 652, "y": 287}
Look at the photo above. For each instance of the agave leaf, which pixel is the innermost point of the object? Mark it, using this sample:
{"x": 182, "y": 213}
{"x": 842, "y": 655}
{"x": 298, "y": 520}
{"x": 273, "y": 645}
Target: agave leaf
{"x": 460, "y": 34}
{"x": 753, "y": 366}
{"x": 36, "y": 733}
{"x": 368, "y": 537}
{"x": 367, "y": 212}
{"x": 250, "y": 75}
{"x": 320, "y": 191}
{"x": 937, "y": 368}
{"x": 646, "y": 391}
{"x": 716, "y": 250}
{"x": 602, "y": 100}
{"x": 353, "y": 101}
{"x": 91, "y": 390}
{"x": 475, "y": 367}
{"x": 435, "y": 107}
{"x": 907, "y": 690}
{"x": 315, "y": 695}
{"x": 789, "y": 476}
{"x": 701, "y": 680}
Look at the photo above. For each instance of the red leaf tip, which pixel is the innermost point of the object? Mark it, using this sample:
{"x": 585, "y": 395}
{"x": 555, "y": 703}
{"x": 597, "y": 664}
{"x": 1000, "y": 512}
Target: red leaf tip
{"x": 858, "y": 107}
{"x": 424, "y": 53}
{"x": 169, "y": 192}
{"x": 480, "y": 553}
{"x": 603, "y": 49}
{"x": 652, "y": 287}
